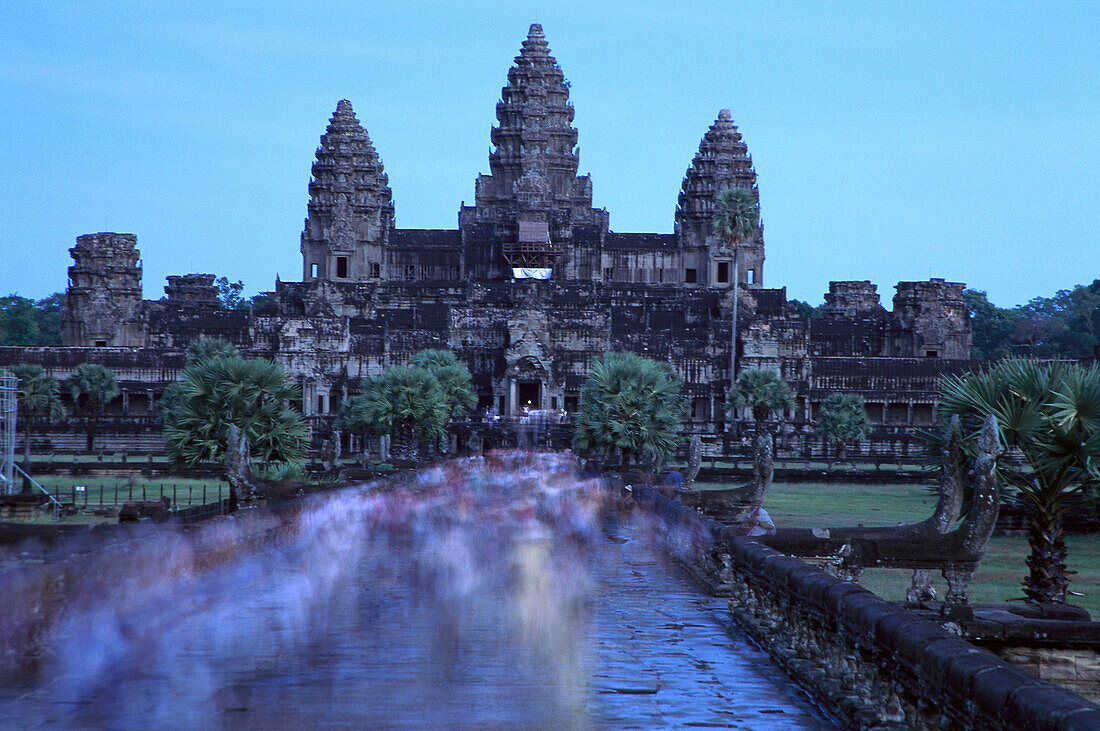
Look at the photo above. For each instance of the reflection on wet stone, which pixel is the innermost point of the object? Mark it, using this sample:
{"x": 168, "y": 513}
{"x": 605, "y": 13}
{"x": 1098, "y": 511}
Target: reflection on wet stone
{"x": 485, "y": 593}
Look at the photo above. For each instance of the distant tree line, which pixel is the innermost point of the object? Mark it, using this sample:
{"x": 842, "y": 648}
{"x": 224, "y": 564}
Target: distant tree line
{"x": 1066, "y": 325}
{"x": 25, "y": 321}
{"x": 28, "y": 322}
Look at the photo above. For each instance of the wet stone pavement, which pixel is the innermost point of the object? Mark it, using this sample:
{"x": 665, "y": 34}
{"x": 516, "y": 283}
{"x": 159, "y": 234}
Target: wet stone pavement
{"x": 490, "y": 596}
{"x": 666, "y": 654}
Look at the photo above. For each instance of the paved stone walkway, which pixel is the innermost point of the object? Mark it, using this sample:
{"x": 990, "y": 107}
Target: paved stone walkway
{"x": 666, "y": 656}
{"x": 418, "y": 632}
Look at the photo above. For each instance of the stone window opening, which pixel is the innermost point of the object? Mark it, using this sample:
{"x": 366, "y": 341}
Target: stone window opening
{"x": 410, "y": 272}
{"x": 689, "y": 276}
{"x": 661, "y": 275}
{"x": 723, "y": 272}
{"x": 313, "y": 270}
{"x": 101, "y": 343}
{"x": 700, "y": 409}
{"x": 342, "y": 267}
{"x": 932, "y": 354}
{"x": 750, "y": 276}
{"x": 375, "y": 270}
{"x": 608, "y": 274}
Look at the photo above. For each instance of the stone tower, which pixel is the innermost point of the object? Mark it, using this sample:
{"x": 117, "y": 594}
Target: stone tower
{"x": 528, "y": 209}
{"x": 350, "y": 205}
{"x": 103, "y": 299}
{"x": 723, "y": 161}
{"x": 933, "y": 320}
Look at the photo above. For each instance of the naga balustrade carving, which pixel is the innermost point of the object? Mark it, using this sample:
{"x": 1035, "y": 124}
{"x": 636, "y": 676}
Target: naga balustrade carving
{"x": 926, "y": 546}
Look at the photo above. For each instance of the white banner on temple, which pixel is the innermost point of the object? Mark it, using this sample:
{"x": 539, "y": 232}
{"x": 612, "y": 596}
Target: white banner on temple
{"x": 530, "y": 273}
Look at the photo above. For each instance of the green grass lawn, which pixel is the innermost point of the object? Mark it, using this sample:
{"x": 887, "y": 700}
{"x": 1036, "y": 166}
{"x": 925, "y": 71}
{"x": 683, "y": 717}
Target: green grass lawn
{"x": 98, "y": 491}
{"x": 820, "y": 505}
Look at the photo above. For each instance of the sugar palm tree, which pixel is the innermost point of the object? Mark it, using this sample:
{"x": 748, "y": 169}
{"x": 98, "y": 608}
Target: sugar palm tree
{"x": 453, "y": 376}
{"x": 39, "y": 396}
{"x": 631, "y": 404}
{"x": 406, "y": 403}
{"x": 764, "y": 392}
{"x": 736, "y": 219}
{"x": 843, "y": 419}
{"x": 199, "y": 350}
{"x": 97, "y": 386}
{"x": 252, "y": 394}
{"x": 206, "y": 348}
{"x": 1048, "y": 415}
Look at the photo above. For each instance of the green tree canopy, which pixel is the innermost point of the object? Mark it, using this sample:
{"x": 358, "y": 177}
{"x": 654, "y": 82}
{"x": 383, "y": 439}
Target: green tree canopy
{"x": 39, "y": 397}
{"x": 230, "y": 293}
{"x": 95, "y": 386}
{"x": 198, "y": 350}
{"x": 18, "y": 325}
{"x": 26, "y": 322}
{"x": 453, "y": 376}
{"x": 204, "y": 348}
{"x": 1065, "y": 325}
{"x": 1048, "y": 414}
{"x": 763, "y": 391}
{"x": 253, "y": 394}
{"x": 843, "y": 419}
{"x": 736, "y": 215}
{"x": 629, "y": 403}
{"x": 407, "y": 403}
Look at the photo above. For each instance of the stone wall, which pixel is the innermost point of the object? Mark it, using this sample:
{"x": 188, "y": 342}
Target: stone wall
{"x": 869, "y": 662}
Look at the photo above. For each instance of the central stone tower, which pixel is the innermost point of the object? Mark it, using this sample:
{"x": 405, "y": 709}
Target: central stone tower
{"x": 533, "y": 210}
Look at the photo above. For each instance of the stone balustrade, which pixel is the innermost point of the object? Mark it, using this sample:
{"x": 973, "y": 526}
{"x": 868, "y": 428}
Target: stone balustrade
{"x": 869, "y": 662}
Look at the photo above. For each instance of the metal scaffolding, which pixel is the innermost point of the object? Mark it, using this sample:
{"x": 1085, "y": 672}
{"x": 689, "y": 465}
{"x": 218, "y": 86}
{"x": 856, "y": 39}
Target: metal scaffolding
{"x": 9, "y": 387}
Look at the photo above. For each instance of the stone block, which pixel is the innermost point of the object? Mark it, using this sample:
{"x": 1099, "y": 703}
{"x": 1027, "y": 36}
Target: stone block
{"x": 992, "y": 687}
{"x": 1042, "y": 706}
{"x": 906, "y": 637}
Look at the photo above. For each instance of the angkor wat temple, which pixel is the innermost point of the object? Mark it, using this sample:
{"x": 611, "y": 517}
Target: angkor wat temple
{"x": 529, "y": 288}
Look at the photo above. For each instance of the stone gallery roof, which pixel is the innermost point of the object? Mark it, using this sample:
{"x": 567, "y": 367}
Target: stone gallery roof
{"x": 425, "y": 238}
{"x": 640, "y": 241}
{"x": 897, "y": 376}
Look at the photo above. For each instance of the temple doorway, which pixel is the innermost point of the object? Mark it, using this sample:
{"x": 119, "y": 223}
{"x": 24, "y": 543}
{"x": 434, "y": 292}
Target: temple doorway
{"x": 529, "y": 394}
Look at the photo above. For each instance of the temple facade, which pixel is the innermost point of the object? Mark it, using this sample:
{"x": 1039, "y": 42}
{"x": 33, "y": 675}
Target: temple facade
{"x": 532, "y": 285}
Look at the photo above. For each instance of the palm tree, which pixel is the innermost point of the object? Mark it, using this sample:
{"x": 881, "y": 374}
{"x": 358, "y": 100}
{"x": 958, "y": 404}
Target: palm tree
{"x": 843, "y": 419}
{"x": 253, "y": 394}
{"x": 764, "y": 392}
{"x": 631, "y": 404}
{"x": 39, "y": 395}
{"x": 736, "y": 218}
{"x": 453, "y": 376}
{"x": 98, "y": 386}
{"x": 199, "y": 350}
{"x": 407, "y": 403}
{"x": 1048, "y": 415}
{"x": 206, "y": 348}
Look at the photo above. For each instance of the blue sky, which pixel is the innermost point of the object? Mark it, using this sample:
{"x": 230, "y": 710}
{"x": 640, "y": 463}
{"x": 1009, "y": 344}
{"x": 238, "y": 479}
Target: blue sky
{"x": 893, "y": 141}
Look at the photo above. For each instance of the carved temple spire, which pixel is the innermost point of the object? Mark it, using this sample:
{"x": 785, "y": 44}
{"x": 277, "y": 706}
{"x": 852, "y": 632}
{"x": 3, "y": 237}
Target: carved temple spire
{"x": 350, "y": 202}
{"x": 722, "y": 162}
{"x": 535, "y": 136}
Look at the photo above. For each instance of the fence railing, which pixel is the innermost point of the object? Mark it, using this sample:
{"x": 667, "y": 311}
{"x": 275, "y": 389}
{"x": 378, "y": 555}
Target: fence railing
{"x": 182, "y": 496}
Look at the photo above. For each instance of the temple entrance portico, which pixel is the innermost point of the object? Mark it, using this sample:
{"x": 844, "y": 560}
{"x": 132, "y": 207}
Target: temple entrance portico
{"x": 529, "y": 394}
